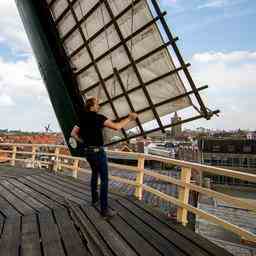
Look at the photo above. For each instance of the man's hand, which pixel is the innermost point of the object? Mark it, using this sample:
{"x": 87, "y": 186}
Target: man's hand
{"x": 119, "y": 125}
{"x": 75, "y": 133}
{"x": 132, "y": 116}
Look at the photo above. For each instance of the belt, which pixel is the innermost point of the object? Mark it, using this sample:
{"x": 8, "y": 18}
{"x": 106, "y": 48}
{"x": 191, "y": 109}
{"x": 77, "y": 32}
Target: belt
{"x": 93, "y": 148}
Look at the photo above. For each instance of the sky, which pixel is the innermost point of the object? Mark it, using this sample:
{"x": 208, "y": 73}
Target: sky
{"x": 216, "y": 36}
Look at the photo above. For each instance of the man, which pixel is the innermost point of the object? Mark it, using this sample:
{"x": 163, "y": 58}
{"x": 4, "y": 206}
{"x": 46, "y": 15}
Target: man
{"x": 89, "y": 132}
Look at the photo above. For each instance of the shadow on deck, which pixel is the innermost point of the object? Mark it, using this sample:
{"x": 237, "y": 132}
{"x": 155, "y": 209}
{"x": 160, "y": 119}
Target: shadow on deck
{"x": 46, "y": 214}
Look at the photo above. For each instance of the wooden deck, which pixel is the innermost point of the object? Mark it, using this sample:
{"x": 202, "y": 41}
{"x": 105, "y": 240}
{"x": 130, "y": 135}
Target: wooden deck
{"x": 46, "y": 214}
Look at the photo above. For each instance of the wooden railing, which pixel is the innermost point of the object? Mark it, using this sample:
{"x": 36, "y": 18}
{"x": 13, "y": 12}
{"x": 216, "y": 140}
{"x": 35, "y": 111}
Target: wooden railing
{"x": 10, "y": 153}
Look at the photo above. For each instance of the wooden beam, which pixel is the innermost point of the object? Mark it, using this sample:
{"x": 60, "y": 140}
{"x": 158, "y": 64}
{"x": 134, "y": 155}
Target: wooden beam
{"x": 182, "y": 213}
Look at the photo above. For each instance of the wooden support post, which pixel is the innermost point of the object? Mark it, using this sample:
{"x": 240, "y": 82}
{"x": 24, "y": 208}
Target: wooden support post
{"x": 14, "y": 150}
{"x": 75, "y": 168}
{"x": 56, "y": 162}
{"x": 184, "y": 195}
{"x": 33, "y": 157}
{"x": 139, "y": 178}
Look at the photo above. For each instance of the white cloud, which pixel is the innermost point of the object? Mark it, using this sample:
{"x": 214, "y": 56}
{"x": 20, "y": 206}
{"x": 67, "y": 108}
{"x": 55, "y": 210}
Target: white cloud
{"x": 212, "y": 3}
{"x": 232, "y": 80}
{"x": 12, "y": 31}
{"x": 235, "y": 56}
{"x": 233, "y": 69}
{"x": 6, "y": 101}
{"x": 21, "y": 78}
{"x": 220, "y": 3}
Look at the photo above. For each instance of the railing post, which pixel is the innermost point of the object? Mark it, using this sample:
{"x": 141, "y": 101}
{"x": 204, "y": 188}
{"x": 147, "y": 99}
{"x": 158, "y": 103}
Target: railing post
{"x": 56, "y": 162}
{"x": 14, "y": 150}
{"x": 139, "y": 178}
{"x": 184, "y": 195}
{"x": 33, "y": 158}
{"x": 75, "y": 168}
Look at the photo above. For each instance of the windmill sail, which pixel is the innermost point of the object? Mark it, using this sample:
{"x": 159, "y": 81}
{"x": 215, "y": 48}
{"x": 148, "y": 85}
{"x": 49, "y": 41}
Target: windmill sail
{"x": 116, "y": 51}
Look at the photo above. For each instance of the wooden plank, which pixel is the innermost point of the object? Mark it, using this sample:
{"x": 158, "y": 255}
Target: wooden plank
{"x": 95, "y": 242}
{"x": 135, "y": 240}
{"x": 30, "y": 240}
{"x": 30, "y": 201}
{"x": 63, "y": 187}
{"x": 51, "y": 240}
{"x": 10, "y": 240}
{"x": 7, "y": 209}
{"x": 205, "y": 215}
{"x": 64, "y": 182}
{"x": 112, "y": 238}
{"x": 19, "y": 205}
{"x": 162, "y": 245}
{"x": 18, "y": 171}
{"x": 72, "y": 241}
{"x": 59, "y": 200}
{"x": 59, "y": 193}
{"x": 205, "y": 168}
{"x": 84, "y": 187}
{"x": 40, "y": 197}
{"x": 70, "y": 180}
{"x": 175, "y": 238}
{"x": 187, "y": 233}
{"x": 1, "y": 225}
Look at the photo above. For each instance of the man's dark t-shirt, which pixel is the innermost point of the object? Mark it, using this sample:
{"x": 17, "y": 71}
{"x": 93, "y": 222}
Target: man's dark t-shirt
{"x": 91, "y": 128}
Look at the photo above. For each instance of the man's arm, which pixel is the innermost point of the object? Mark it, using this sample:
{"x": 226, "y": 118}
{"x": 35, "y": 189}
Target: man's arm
{"x": 121, "y": 124}
{"x": 75, "y": 134}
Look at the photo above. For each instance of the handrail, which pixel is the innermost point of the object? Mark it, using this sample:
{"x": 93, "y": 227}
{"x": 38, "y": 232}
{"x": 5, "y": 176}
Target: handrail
{"x": 184, "y": 183}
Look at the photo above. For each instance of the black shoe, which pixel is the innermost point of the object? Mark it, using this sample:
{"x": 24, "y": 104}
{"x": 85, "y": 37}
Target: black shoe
{"x": 108, "y": 213}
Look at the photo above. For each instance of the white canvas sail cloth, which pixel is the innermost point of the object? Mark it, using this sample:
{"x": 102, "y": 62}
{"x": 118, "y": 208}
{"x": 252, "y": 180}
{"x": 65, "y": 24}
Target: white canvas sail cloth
{"x": 150, "y": 68}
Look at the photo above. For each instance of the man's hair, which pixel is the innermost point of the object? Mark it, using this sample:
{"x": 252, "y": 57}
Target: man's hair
{"x": 90, "y": 102}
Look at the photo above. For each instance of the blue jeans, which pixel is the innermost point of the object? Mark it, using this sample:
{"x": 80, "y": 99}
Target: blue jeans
{"x": 99, "y": 166}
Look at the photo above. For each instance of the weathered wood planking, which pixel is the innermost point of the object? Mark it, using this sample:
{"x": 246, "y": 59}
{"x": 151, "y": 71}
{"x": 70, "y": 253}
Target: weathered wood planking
{"x": 46, "y": 214}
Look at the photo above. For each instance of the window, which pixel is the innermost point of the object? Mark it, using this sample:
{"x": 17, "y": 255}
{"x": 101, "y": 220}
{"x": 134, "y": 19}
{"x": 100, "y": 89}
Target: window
{"x": 245, "y": 162}
{"x": 231, "y": 148}
{"x": 236, "y": 162}
{"x": 216, "y": 148}
{"x": 247, "y": 149}
{"x": 229, "y": 161}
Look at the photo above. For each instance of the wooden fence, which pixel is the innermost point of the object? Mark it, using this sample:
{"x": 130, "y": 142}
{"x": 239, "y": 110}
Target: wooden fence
{"x": 59, "y": 154}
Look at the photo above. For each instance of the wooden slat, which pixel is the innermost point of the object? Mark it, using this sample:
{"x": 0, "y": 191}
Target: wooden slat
{"x": 65, "y": 184}
{"x": 7, "y": 209}
{"x": 65, "y": 189}
{"x": 28, "y": 200}
{"x": 38, "y": 196}
{"x": 205, "y": 215}
{"x": 51, "y": 240}
{"x": 234, "y": 201}
{"x": 175, "y": 238}
{"x": 187, "y": 233}
{"x": 58, "y": 192}
{"x": 30, "y": 240}
{"x": 72, "y": 242}
{"x": 123, "y": 167}
{"x": 1, "y": 224}
{"x": 112, "y": 238}
{"x": 68, "y": 180}
{"x": 205, "y": 168}
{"x": 19, "y": 205}
{"x": 10, "y": 240}
{"x": 136, "y": 241}
{"x": 59, "y": 200}
{"x": 162, "y": 245}
{"x": 95, "y": 243}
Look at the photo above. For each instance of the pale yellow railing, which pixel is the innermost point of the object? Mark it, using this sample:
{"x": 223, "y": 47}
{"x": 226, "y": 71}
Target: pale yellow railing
{"x": 11, "y": 151}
